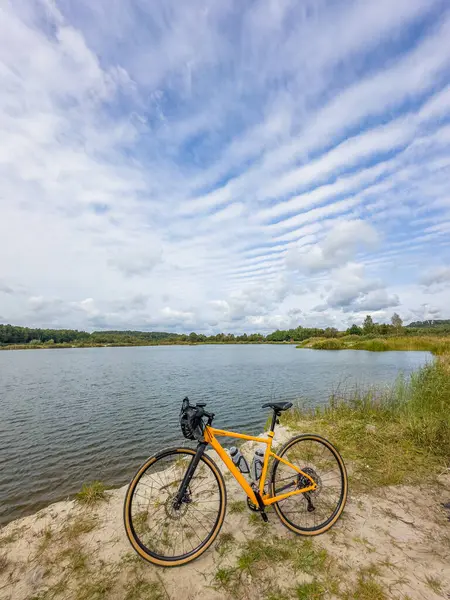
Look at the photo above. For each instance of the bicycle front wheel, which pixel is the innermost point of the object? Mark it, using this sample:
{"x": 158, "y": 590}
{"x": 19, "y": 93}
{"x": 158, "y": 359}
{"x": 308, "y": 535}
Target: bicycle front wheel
{"x": 310, "y": 513}
{"x": 159, "y": 532}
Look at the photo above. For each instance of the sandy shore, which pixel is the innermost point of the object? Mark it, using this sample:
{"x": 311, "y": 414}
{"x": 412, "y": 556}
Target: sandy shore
{"x": 394, "y": 543}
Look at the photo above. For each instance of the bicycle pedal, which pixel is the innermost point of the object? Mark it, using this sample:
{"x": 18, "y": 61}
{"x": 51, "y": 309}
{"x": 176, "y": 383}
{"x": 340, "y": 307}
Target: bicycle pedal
{"x": 264, "y": 517}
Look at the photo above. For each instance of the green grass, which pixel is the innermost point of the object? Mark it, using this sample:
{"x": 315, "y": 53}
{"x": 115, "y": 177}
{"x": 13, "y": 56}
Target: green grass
{"x": 91, "y": 493}
{"x": 394, "y": 435}
{"x": 324, "y": 344}
{"x": 224, "y": 577}
{"x": 302, "y": 555}
{"x": 310, "y": 591}
{"x": 259, "y": 557}
{"x": 237, "y": 506}
{"x": 434, "y": 344}
{"x": 366, "y": 588}
{"x": 254, "y": 519}
{"x": 309, "y": 558}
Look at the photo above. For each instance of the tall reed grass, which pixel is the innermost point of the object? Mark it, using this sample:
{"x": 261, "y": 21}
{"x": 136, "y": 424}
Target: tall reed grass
{"x": 436, "y": 345}
{"x": 391, "y": 435}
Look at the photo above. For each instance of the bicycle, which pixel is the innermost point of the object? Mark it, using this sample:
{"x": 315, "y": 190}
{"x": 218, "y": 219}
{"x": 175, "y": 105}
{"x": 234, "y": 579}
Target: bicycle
{"x": 175, "y": 504}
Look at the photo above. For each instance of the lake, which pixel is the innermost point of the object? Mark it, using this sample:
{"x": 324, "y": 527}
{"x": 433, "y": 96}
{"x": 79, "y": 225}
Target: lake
{"x": 68, "y": 416}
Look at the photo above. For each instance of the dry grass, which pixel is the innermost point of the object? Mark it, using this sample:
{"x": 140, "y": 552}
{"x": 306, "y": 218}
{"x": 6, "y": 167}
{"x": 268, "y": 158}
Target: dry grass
{"x": 225, "y": 543}
{"x": 11, "y": 537}
{"x": 4, "y": 562}
{"x": 76, "y": 559}
{"x": 434, "y": 584}
{"x": 91, "y": 493}
{"x": 79, "y": 525}
{"x": 96, "y": 587}
{"x": 45, "y": 539}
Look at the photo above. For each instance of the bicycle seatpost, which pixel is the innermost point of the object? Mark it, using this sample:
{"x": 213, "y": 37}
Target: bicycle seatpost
{"x": 275, "y": 420}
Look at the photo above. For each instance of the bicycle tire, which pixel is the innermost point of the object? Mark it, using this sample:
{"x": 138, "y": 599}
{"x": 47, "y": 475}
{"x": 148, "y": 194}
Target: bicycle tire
{"x": 138, "y": 544}
{"x": 280, "y": 507}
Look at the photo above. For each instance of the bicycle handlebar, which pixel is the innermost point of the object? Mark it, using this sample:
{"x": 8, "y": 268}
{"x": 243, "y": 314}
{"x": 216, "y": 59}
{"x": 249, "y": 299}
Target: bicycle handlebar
{"x": 201, "y": 412}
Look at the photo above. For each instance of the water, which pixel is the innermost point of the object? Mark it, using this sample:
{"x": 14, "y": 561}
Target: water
{"x": 69, "y": 416}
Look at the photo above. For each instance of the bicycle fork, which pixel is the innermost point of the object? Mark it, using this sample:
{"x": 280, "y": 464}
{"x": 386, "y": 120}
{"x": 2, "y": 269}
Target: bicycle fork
{"x": 181, "y": 495}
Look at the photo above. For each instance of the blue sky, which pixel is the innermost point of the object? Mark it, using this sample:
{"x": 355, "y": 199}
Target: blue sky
{"x": 224, "y": 166}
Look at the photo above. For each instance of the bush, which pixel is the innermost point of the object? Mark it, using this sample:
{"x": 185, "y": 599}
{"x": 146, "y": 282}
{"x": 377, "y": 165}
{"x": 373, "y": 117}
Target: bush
{"x": 328, "y": 344}
{"x": 375, "y": 345}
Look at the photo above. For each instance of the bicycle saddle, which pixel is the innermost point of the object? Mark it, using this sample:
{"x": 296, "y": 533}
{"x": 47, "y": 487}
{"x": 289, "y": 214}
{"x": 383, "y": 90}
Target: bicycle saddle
{"x": 278, "y": 406}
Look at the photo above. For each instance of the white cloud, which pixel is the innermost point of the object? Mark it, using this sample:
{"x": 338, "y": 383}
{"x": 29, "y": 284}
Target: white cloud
{"x": 351, "y": 291}
{"x": 438, "y": 275}
{"x": 338, "y": 247}
{"x": 136, "y": 261}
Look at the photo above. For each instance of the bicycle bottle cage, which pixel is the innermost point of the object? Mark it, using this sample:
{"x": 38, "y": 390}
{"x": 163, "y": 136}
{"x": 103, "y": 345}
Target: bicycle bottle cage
{"x": 190, "y": 421}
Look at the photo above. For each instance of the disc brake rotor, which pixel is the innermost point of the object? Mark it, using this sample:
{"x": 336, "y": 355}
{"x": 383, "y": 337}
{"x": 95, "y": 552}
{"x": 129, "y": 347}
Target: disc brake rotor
{"x": 177, "y": 513}
{"x": 305, "y": 482}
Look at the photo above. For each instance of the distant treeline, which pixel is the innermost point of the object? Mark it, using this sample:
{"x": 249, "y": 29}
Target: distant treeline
{"x": 441, "y": 323}
{"x": 14, "y": 335}
{"x": 11, "y": 334}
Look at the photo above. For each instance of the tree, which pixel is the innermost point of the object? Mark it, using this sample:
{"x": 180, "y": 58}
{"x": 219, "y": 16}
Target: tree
{"x": 368, "y": 325}
{"x": 396, "y": 321}
{"x": 330, "y": 332}
{"x": 354, "y": 330}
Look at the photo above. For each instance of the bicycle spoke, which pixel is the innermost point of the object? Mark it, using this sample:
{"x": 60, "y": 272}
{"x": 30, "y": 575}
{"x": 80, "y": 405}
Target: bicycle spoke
{"x": 170, "y": 529}
{"x": 316, "y": 460}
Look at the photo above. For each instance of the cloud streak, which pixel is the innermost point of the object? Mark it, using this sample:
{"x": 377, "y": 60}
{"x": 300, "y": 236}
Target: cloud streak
{"x": 227, "y": 165}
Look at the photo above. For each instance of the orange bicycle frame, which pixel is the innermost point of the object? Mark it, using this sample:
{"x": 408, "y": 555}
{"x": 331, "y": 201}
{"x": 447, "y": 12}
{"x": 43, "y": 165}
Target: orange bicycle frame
{"x": 210, "y": 434}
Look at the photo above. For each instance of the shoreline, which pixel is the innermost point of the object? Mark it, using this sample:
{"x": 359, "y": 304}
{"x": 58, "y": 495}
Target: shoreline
{"x": 433, "y": 344}
{"x": 125, "y": 345}
{"x": 390, "y": 540}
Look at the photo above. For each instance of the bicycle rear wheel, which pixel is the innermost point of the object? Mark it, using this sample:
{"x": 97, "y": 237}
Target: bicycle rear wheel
{"x": 310, "y": 513}
{"x": 158, "y": 531}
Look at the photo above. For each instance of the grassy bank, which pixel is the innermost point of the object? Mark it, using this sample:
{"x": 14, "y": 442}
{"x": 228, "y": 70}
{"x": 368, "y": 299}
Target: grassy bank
{"x": 436, "y": 345}
{"x": 390, "y": 436}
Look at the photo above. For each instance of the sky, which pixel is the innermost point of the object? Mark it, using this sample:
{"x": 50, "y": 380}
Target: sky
{"x": 223, "y": 166}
